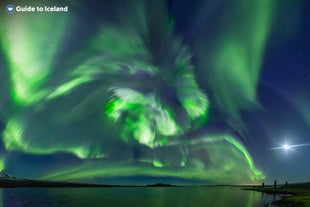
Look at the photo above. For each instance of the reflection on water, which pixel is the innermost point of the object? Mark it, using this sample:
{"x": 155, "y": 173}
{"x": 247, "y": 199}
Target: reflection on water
{"x": 132, "y": 197}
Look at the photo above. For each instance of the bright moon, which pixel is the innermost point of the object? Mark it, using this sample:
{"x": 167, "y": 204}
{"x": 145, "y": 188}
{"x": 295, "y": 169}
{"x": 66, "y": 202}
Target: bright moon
{"x": 286, "y": 146}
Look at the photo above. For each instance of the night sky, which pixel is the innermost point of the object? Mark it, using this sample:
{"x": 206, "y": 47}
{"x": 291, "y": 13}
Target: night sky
{"x": 133, "y": 92}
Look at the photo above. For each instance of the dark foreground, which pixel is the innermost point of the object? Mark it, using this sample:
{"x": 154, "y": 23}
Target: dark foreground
{"x": 292, "y": 195}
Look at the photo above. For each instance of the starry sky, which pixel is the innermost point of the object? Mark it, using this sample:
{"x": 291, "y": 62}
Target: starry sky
{"x": 164, "y": 91}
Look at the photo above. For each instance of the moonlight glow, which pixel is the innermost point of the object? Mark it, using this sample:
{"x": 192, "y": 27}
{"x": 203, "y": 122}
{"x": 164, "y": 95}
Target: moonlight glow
{"x": 289, "y": 147}
{"x": 286, "y": 147}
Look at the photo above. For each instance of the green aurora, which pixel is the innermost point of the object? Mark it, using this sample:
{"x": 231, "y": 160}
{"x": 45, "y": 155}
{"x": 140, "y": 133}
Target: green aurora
{"x": 126, "y": 100}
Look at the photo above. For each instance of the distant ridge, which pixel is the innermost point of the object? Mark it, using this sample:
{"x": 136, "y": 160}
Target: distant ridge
{"x": 6, "y": 176}
{"x": 8, "y": 181}
{"x": 161, "y": 185}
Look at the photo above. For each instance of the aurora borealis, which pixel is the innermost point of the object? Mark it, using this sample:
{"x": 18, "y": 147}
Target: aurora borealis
{"x": 162, "y": 89}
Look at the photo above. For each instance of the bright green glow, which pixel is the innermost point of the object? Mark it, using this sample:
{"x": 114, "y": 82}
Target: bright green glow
{"x": 165, "y": 123}
{"x": 194, "y": 101}
{"x": 183, "y": 163}
{"x": 30, "y": 47}
{"x": 84, "y": 172}
{"x": 227, "y": 161}
{"x": 143, "y": 112}
{"x": 143, "y": 133}
{"x": 2, "y": 164}
{"x": 12, "y": 136}
{"x": 197, "y": 106}
{"x": 242, "y": 149}
{"x": 15, "y": 141}
{"x": 163, "y": 141}
{"x": 126, "y": 99}
{"x": 145, "y": 115}
{"x": 67, "y": 87}
{"x": 157, "y": 163}
{"x": 255, "y": 174}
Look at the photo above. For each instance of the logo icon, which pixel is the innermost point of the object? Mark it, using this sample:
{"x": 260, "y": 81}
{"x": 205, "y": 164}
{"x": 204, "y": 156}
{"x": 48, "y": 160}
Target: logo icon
{"x": 10, "y": 9}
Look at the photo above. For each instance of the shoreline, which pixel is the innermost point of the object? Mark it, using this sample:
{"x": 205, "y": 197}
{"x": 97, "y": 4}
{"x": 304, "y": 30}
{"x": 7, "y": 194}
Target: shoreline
{"x": 291, "y": 196}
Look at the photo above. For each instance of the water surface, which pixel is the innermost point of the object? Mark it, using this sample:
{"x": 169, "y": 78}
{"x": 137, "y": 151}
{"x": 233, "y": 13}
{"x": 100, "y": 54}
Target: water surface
{"x": 133, "y": 197}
